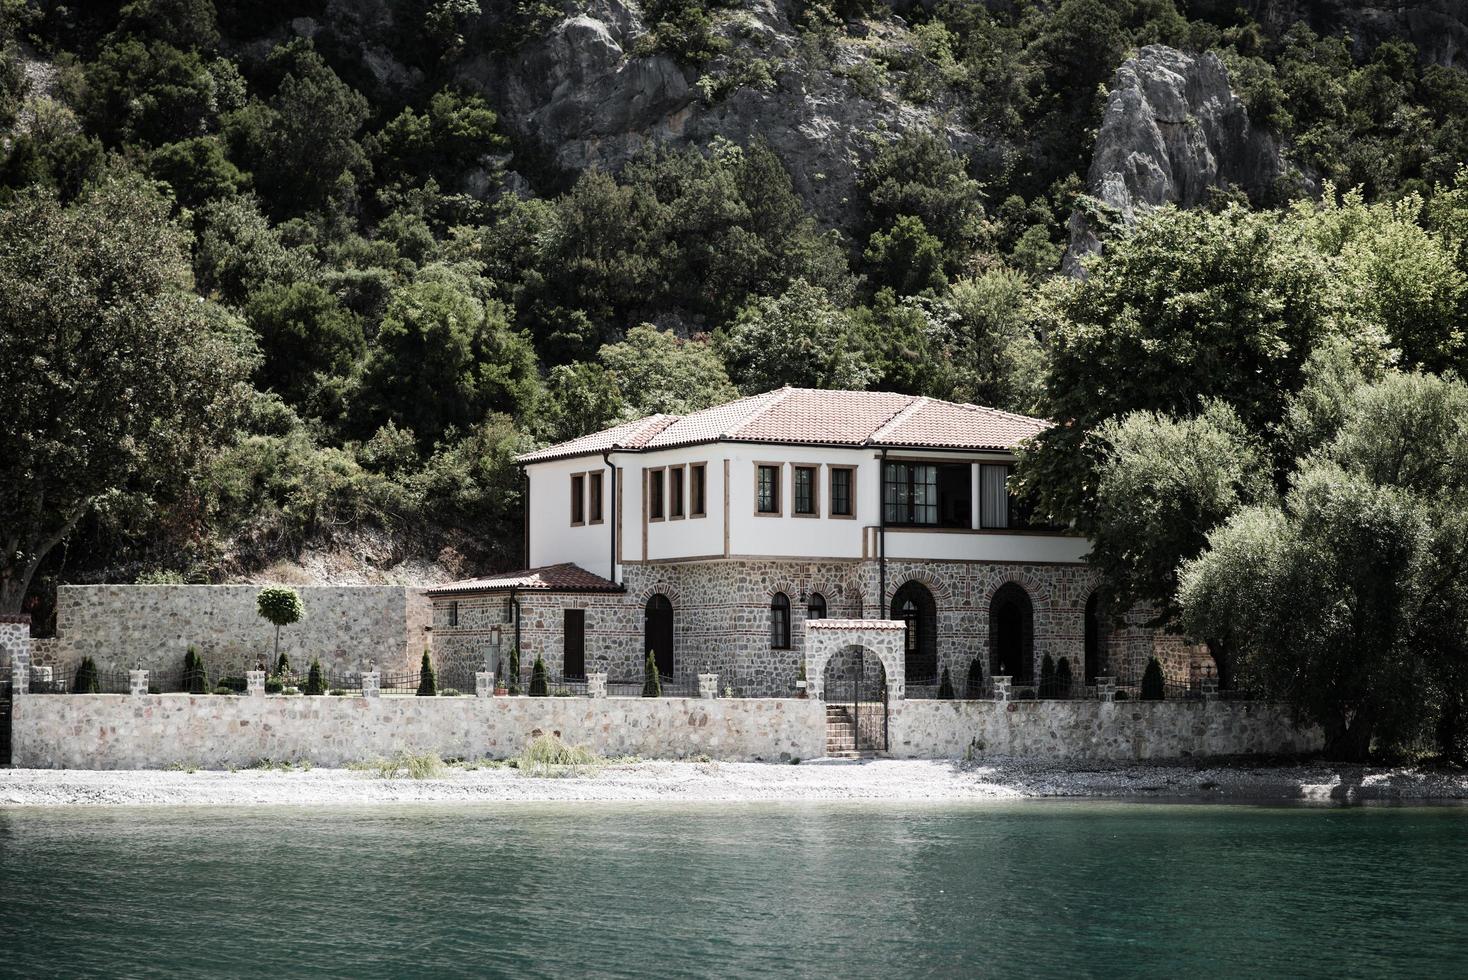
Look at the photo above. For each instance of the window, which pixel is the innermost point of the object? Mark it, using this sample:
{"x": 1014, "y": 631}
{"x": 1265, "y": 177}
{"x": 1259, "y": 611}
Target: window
{"x": 843, "y": 497}
{"x": 675, "y": 492}
{"x": 578, "y": 499}
{"x": 507, "y": 613}
{"x": 767, "y": 489}
{"x": 655, "y": 495}
{"x": 454, "y": 613}
{"x": 927, "y": 494}
{"x": 780, "y": 621}
{"x": 993, "y": 495}
{"x": 573, "y": 658}
{"x": 816, "y": 608}
{"x": 697, "y": 489}
{"x": 805, "y": 488}
{"x": 593, "y": 503}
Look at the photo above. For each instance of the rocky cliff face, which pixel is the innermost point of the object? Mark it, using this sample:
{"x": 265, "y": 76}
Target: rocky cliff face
{"x": 1172, "y": 130}
{"x": 588, "y": 96}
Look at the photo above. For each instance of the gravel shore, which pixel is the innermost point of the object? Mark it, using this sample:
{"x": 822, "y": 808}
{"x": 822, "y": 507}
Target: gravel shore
{"x": 878, "y": 781}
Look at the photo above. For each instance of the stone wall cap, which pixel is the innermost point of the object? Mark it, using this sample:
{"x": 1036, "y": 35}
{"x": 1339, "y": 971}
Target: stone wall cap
{"x": 23, "y": 619}
{"x": 855, "y": 624}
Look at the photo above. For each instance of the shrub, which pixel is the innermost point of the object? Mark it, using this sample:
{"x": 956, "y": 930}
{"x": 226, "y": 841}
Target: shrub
{"x": 221, "y": 689}
{"x": 235, "y": 685}
{"x": 976, "y": 679}
{"x": 1062, "y": 678}
{"x": 1152, "y": 687}
{"x": 1047, "y": 677}
{"x": 945, "y": 687}
{"x": 547, "y": 755}
{"x": 282, "y": 666}
{"x": 1123, "y": 696}
{"x": 86, "y": 677}
{"x": 194, "y": 679}
{"x": 512, "y": 680}
{"x": 652, "y": 683}
{"x": 315, "y": 679}
{"x": 274, "y": 685}
{"x": 539, "y": 685}
{"x": 427, "y": 681}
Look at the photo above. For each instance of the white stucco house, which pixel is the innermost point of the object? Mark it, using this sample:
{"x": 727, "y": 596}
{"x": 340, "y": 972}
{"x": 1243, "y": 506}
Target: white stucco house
{"x": 711, "y": 539}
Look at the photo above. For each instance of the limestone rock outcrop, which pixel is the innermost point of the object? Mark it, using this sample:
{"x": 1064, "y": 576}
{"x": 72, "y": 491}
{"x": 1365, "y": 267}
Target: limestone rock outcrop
{"x": 1172, "y": 130}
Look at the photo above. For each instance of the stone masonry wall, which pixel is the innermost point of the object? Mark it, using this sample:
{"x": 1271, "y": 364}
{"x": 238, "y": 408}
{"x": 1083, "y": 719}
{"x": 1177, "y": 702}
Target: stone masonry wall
{"x": 346, "y": 626}
{"x": 1113, "y": 731}
{"x": 721, "y": 618}
{"x": 102, "y": 731}
{"x": 15, "y": 643}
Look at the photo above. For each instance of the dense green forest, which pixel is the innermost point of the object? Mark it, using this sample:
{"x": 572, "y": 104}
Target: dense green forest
{"x": 253, "y": 302}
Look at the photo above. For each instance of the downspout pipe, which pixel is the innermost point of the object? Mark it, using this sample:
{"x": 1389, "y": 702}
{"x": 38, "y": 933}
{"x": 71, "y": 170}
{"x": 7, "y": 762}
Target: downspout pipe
{"x": 611, "y": 516}
{"x": 882, "y": 538}
{"x": 515, "y": 604}
{"x": 525, "y": 515}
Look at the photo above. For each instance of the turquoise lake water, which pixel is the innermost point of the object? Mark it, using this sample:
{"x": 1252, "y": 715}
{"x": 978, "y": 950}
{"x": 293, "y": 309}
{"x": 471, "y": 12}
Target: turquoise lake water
{"x": 1039, "y": 889}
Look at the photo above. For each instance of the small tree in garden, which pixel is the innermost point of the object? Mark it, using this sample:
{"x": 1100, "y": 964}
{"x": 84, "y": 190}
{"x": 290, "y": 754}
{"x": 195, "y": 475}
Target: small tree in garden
{"x": 193, "y": 673}
{"x": 1047, "y": 677}
{"x": 652, "y": 682}
{"x": 427, "y": 681}
{"x": 975, "y": 679}
{"x": 512, "y": 681}
{"x": 1062, "y": 678}
{"x": 282, "y": 666}
{"x": 539, "y": 685}
{"x": 279, "y": 607}
{"x": 945, "y": 687}
{"x": 1152, "y": 687}
{"x": 315, "y": 679}
{"x": 86, "y": 677}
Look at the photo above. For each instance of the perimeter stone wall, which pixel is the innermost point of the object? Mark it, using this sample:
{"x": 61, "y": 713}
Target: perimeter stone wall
{"x": 1113, "y": 731}
{"x": 15, "y": 642}
{"x": 106, "y": 731}
{"x": 346, "y": 626}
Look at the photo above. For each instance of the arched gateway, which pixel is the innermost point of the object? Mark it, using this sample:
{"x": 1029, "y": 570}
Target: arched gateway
{"x": 824, "y": 638}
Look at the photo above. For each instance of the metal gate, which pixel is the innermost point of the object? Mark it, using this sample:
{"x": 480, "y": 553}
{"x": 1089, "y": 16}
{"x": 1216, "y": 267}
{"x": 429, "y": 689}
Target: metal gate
{"x": 865, "y": 689}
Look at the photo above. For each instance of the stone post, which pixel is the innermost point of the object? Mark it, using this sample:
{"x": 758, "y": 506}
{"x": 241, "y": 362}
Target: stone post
{"x": 708, "y": 686}
{"x": 255, "y": 683}
{"x": 596, "y": 685}
{"x": 483, "y": 683}
{"x": 1106, "y": 689}
{"x": 1210, "y": 687}
{"x": 372, "y": 684}
{"x": 20, "y": 676}
{"x": 137, "y": 682}
{"x": 1001, "y": 687}
{"x": 15, "y": 649}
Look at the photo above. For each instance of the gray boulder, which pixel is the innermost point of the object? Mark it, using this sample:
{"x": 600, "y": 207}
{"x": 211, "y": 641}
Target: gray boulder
{"x": 1173, "y": 129}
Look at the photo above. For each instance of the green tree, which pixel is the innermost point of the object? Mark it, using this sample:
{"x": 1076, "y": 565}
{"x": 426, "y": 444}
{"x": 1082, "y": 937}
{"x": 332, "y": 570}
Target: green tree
{"x": 196, "y": 170}
{"x": 998, "y": 359}
{"x": 945, "y": 687}
{"x": 303, "y": 332}
{"x": 513, "y": 681}
{"x": 113, "y": 371}
{"x": 539, "y": 685}
{"x": 444, "y": 143}
{"x": 427, "y": 680}
{"x": 907, "y": 258}
{"x": 85, "y": 681}
{"x": 579, "y": 398}
{"x": 658, "y": 371}
{"x": 652, "y": 683}
{"x": 315, "y": 679}
{"x": 799, "y": 338}
{"x": 919, "y": 193}
{"x": 238, "y": 251}
{"x": 1153, "y": 687}
{"x": 1063, "y": 678}
{"x": 279, "y": 606}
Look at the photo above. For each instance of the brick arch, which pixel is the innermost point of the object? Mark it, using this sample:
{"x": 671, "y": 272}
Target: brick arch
{"x": 791, "y": 590}
{"x": 1039, "y": 593}
{"x": 827, "y": 637}
{"x": 935, "y": 584}
{"x": 668, "y": 589}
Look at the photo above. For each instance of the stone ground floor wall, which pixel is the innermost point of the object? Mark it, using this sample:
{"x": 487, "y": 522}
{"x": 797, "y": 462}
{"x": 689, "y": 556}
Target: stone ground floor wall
{"x": 345, "y": 626}
{"x": 103, "y": 731}
{"x": 1113, "y": 731}
{"x": 721, "y": 619}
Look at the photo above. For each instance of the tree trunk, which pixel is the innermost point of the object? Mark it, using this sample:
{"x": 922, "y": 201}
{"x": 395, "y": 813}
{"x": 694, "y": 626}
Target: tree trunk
{"x": 16, "y": 575}
{"x": 1348, "y": 741}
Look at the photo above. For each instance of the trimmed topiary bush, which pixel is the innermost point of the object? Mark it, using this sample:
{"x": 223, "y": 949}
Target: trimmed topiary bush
{"x": 1062, "y": 678}
{"x": 427, "y": 681}
{"x": 652, "y": 682}
{"x": 512, "y": 680}
{"x": 1047, "y": 677}
{"x": 274, "y": 685}
{"x": 279, "y": 607}
{"x": 1152, "y": 686}
{"x": 975, "y": 680}
{"x": 945, "y": 687}
{"x": 539, "y": 684}
{"x": 282, "y": 666}
{"x": 235, "y": 685}
{"x": 85, "y": 681}
{"x": 315, "y": 679}
{"x": 194, "y": 679}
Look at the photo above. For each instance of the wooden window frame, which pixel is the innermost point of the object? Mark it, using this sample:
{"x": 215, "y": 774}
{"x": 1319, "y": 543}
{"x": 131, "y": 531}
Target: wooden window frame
{"x": 815, "y": 489}
{"x": 850, "y": 492}
{"x": 453, "y": 615}
{"x": 578, "y": 499}
{"x": 650, "y": 473}
{"x": 703, "y": 478}
{"x": 598, "y": 478}
{"x": 567, "y": 615}
{"x": 677, "y": 474}
{"x": 780, "y": 638}
{"x": 779, "y": 469}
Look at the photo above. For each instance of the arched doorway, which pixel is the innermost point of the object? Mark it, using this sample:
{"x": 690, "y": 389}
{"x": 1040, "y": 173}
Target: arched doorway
{"x": 855, "y": 691}
{"x": 1096, "y": 637}
{"x": 657, "y": 634}
{"x": 1012, "y": 635}
{"x": 914, "y": 605}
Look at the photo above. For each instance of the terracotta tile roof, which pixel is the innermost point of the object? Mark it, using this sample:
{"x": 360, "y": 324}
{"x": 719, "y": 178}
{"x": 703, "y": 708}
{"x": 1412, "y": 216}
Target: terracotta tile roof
{"x": 807, "y": 416}
{"x": 565, "y": 577}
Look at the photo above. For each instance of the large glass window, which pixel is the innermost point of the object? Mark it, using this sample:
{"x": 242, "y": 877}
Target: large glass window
{"x": 578, "y": 499}
{"x": 655, "y": 495}
{"x": 697, "y": 489}
{"x": 816, "y": 608}
{"x": 805, "y": 490}
{"x": 780, "y": 621}
{"x": 843, "y": 504}
{"x": 593, "y": 498}
{"x": 927, "y": 494}
{"x": 767, "y": 490}
{"x": 675, "y": 492}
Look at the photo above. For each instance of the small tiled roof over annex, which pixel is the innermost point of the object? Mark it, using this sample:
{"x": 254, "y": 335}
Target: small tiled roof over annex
{"x": 809, "y": 416}
{"x": 565, "y": 577}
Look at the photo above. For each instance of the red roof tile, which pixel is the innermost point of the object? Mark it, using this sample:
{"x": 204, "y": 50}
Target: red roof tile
{"x": 806, "y": 416}
{"x": 565, "y": 577}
